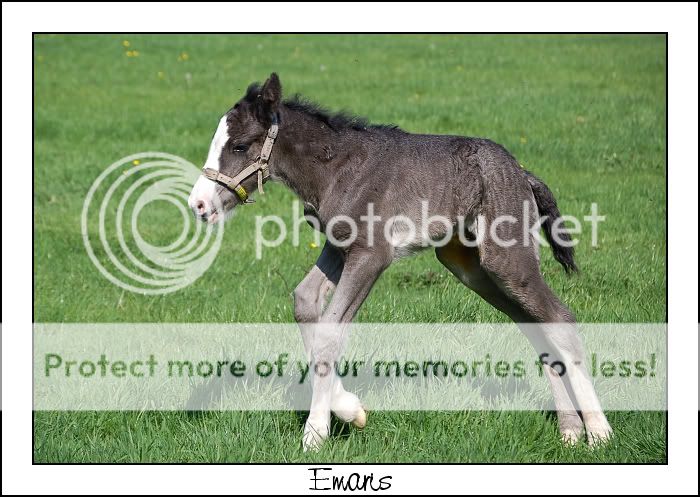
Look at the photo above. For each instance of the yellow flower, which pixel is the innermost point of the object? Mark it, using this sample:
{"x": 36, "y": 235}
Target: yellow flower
{"x": 136, "y": 162}
{"x": 129, "y": 53}
{"x": 523, "y": 140}
{"x": 313, "y": 245}
{"x": 183, "y": 56}
{"x": 135, "y": 53}
{"x": 161, "y": 74}
{"x": 126, "y": 43}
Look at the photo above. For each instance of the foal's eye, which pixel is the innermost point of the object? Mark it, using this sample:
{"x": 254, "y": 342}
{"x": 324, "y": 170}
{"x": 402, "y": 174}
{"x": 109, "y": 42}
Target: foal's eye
{"x": 240, "y": 148}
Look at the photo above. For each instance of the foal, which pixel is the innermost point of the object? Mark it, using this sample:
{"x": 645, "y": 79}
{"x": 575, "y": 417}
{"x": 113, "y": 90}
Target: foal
{"x": 338, "y": 165}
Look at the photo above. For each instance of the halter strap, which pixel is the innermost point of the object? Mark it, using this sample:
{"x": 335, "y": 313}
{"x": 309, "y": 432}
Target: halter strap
{"x": 260, "y": 165}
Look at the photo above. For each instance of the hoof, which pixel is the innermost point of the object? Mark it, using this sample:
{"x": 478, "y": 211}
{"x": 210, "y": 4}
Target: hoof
{"x": 598, "y": 430}
{"x": 598, "y": 438}
{"x": 311, "y": 444}
{"x": 347, "y": 408}
{"x": 360, "y": 420}
{"x": 570, "y": 437}
{"x": 314, "y": 436}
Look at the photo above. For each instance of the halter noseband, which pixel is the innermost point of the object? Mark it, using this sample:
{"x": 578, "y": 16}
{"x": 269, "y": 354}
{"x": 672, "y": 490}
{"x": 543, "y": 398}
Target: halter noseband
{"x": 259, "y": 166}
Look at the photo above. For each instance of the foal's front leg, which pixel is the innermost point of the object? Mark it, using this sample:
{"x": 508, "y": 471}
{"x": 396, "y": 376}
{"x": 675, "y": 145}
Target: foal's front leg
{"x": 310, "y": 297}
{"x": 362, "y": 268}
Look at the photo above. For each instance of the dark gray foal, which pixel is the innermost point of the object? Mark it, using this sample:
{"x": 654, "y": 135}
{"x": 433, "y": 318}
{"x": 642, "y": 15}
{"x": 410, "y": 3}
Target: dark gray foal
{"x": 338, "y": 165}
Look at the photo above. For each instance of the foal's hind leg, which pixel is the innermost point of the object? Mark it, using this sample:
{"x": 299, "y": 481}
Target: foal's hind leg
{"x": 464, "y": 263}
{"x": 515, "y": 270}
{"x": 310, "y": 297}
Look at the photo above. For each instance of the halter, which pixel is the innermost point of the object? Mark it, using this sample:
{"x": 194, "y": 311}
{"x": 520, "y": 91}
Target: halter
{"x": 259, "y": 166}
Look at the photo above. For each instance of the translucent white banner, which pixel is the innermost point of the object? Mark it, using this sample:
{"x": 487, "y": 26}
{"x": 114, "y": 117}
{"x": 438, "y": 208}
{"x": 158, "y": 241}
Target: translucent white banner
{"x": 389, "y": 366}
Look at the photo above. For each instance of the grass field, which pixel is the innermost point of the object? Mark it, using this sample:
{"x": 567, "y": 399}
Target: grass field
{"x": 585, "y": 113}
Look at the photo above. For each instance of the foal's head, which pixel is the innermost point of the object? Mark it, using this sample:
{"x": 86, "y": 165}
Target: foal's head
{"x": 237, "y": 143}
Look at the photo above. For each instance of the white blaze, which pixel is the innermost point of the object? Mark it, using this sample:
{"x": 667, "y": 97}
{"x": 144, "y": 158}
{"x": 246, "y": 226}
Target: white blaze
{"x": 205, "y": 189}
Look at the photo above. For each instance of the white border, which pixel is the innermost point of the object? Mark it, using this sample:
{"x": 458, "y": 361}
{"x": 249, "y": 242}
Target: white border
{"x": 19, "y": 20}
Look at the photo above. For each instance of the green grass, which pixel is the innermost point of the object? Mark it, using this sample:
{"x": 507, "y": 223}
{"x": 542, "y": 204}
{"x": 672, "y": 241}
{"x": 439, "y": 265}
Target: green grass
{"x": 585, "y": 113}
{"x": 399, "y": 437}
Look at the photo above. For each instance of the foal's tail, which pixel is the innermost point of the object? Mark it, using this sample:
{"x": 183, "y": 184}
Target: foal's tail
{"x": 547, "y": 206}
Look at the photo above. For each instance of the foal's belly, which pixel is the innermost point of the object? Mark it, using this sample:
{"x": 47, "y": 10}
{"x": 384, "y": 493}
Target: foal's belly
{"x": 403, "y": 240}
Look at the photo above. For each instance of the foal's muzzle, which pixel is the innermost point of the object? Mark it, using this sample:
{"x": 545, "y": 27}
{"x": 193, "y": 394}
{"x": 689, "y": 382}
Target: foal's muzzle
{"x": 203, "y": 210}
{"x": 206, "y": 204}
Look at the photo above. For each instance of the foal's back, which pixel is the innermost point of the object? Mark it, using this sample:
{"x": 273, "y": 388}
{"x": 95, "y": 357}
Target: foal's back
{"x": 454, "y": 174}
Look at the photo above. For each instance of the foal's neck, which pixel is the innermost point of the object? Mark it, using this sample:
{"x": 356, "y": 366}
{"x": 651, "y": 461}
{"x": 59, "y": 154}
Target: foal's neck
{"x": 307, "y": 153}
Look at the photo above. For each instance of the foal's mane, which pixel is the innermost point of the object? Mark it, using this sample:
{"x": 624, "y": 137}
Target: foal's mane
{"x": 334, "y": 120}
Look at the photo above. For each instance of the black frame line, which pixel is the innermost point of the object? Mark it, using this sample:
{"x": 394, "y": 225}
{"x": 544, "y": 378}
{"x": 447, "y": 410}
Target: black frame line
{"x": 35, "y": 463}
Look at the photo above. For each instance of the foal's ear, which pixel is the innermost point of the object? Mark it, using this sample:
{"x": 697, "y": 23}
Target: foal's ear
{"x": 271, "y": 95}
